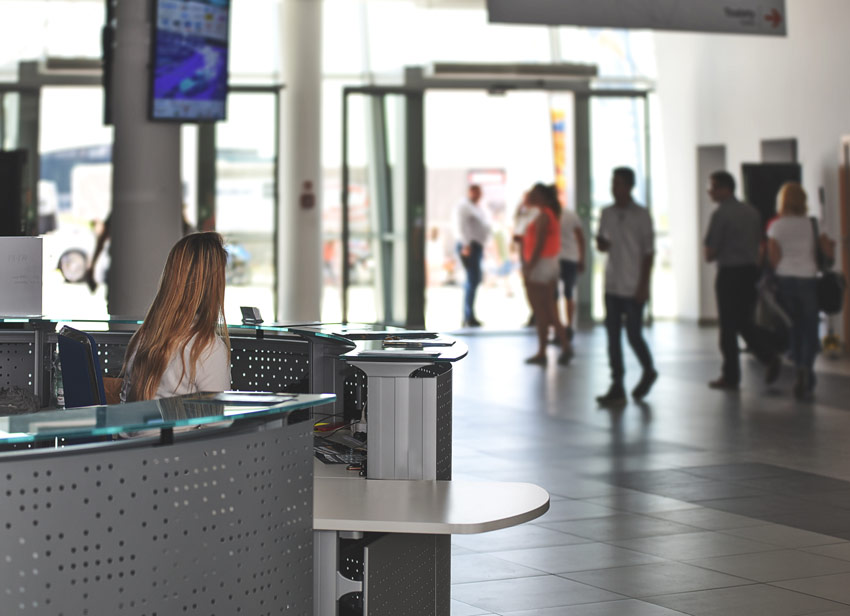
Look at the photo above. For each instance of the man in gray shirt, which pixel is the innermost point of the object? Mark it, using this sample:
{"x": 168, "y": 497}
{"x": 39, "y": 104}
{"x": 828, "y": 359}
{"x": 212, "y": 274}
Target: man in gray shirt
{"x": 733, "y": 241}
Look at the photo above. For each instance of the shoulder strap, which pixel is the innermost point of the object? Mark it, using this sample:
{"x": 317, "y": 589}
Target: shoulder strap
{"x": 819, "y": 258}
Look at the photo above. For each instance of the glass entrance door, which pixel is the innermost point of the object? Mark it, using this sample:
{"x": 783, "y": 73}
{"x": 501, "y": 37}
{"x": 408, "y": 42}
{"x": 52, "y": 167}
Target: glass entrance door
{"x": 381, "y": 240}
{"x": 617, "y": 135}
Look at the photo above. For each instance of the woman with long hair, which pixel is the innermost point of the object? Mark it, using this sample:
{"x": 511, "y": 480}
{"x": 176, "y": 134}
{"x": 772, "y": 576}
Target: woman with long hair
{"x": 182, "y": 346}
{"x": 792, "y": 250}
{"x": 541, "y": 245}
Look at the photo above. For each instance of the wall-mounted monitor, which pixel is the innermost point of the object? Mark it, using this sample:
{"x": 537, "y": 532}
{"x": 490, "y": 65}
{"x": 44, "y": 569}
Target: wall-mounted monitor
{"x": 189, "y": 60}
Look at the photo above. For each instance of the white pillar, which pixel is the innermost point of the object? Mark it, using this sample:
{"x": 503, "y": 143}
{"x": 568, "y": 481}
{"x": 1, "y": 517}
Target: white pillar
{"x": 146, "y": 188}
{"x": 300, "y": 227}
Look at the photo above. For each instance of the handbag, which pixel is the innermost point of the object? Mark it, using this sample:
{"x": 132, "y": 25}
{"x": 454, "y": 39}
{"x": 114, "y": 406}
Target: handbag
{"x": 830, "y": 285}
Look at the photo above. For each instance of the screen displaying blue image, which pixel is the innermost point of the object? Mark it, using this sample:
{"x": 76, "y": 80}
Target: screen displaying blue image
{"x": 190, "y": 60}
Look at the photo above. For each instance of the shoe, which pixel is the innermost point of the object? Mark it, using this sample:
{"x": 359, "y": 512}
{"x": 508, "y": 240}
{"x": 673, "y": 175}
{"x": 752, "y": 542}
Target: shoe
{"x": 472, "y": 323}
{"x": 539, "y": 360}
{"x": 555, "y": 342}
{"x": 773, "y": 367}
{"x": 565, "y": 356}
{"x": 615, "y": 395}
{"x": 801, "y": 385}
{"x": 644, "y": 385}
{"x": 723, "y": 384}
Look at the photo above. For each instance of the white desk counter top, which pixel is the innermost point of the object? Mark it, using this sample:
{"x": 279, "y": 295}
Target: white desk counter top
{"x": 422, "y": 507}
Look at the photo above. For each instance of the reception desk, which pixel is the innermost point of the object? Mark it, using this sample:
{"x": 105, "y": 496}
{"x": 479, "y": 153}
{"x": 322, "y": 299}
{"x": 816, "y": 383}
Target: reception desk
{"x": 227, "y": 513}
{"x": 196, "y": 504}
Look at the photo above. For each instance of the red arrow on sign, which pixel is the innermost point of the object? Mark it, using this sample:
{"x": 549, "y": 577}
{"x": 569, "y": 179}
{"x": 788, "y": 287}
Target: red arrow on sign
{"x": 775, "y": 18}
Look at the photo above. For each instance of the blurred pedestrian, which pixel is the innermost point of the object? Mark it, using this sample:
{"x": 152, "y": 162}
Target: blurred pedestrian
{"x": 571, "y": 261}
{"x": 541, "y": 246}
{"x": 626, "y": 234}
{"x": 732, "y": 241}
{"x": 793, "y": 247}
{"x": 473, "y": 226}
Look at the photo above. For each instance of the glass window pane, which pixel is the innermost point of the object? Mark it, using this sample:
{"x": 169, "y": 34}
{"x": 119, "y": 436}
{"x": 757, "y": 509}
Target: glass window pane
{"x": 255, "y": 41}
{"x": 33, "y": 29}
{"x": 75, "y": 193}
{"x": 245, "y": 201}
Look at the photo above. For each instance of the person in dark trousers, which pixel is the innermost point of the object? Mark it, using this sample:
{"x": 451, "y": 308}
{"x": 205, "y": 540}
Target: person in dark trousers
{"x": 626, "y": 234}
{"x": 733, "y": 241}
{"x": 473, "y": 227}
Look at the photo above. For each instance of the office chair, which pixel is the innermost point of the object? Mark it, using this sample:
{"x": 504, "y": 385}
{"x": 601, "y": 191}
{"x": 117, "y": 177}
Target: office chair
{"x": 82, "y": 377}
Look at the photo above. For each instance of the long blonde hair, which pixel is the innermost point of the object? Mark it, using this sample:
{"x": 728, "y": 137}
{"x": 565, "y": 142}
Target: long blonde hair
{"x": 189, "y": 305}
{"x": 792, "y": 200}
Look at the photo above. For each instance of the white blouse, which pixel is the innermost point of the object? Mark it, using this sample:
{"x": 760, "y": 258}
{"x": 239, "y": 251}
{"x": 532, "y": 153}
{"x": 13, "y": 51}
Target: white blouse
{"x": 212, "y": 372}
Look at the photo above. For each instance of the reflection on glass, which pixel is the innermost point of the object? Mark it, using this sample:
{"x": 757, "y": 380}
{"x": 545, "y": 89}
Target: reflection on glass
{"x": 139, "y": 417}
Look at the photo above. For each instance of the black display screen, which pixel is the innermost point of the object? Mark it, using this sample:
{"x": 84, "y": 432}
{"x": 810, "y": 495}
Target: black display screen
{"x": 189, "y": 68}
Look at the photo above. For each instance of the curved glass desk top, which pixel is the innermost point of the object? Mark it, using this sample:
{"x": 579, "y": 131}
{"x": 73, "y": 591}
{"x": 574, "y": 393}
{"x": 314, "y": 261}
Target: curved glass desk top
{"x": 404, "y": 349}
{"x": 335, "y": 332}
{"x": 181, "y": 411}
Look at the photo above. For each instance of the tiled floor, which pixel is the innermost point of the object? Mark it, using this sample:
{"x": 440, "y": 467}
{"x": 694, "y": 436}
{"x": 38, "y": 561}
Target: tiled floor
{"x": 693, "y": 502}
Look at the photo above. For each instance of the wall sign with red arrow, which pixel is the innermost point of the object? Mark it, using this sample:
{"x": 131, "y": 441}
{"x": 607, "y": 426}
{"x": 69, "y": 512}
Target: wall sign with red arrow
{"x": 765, "y": 17}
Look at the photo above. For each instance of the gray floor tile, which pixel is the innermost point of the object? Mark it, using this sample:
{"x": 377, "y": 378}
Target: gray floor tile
{"x": 628, "y": 607}
{"x": 644, "y": 481}
{"x": 571, "y": 509}
{"x": 484, "y": 567}
{"x": 623, "y": 526}
{"x": 835, "y": 550}
{"x": 706, "y": 490}
{"x": 832, "y": 587}
{"x": 528, "y": 593}
{"x": 783, "y": 536}
{"x": 639, "y": 502}
{"x": 694, "y": 545}
{"x": 708, "y": 519}
{"x": 731, "y": 472}
{"x": 758, "y": 507}
{"x": 463, "y": 609}
{"x": 795, "y": 484}
{"x": 515, "y": 538}
{"x": 656, "y": 579}
{"x": 756, "y": 600}
{"x": 582, "y": 557}
{"x": 689, "y": 473}
{"x": 774, "y": 566}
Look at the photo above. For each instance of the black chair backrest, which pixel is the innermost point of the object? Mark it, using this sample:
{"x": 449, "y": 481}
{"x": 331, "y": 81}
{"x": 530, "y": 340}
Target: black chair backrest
{"x": 82, "y": 377}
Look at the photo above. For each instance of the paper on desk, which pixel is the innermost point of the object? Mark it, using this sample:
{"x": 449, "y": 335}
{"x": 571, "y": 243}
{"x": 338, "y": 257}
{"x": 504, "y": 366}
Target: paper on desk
{"x": 20, "y": 276}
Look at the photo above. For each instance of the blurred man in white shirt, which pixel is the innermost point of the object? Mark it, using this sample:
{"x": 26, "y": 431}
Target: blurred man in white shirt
{"x": 473, "y": 231}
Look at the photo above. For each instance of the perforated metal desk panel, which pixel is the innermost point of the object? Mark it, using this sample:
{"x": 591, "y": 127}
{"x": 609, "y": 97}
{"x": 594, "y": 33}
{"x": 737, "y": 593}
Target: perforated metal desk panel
{"x": 263, "y": 358}
{"x": 213, "y": 521}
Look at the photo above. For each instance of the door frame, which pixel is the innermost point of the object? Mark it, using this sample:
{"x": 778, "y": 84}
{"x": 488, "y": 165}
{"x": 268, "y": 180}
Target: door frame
{"x": 416, "y": 83}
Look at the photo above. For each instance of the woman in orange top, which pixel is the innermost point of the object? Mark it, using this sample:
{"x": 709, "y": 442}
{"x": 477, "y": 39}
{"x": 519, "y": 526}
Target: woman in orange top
{"x": 541, "y": 245}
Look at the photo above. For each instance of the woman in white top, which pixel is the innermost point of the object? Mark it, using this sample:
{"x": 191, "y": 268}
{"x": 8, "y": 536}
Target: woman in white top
{"x": 571, "y": 261}
{"x": 182, "y": 346}
{"x": 792, "y": 251}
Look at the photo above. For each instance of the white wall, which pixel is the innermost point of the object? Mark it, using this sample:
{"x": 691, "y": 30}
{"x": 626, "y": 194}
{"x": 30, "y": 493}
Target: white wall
{"x": 738, "y": 90}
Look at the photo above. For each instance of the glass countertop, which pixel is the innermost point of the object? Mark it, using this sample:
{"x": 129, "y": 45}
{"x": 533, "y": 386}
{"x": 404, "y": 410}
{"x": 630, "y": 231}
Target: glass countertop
{"x": 399, "y": 349}
{"x": 333, "y": 331}
{"x": 180, "y": 411}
